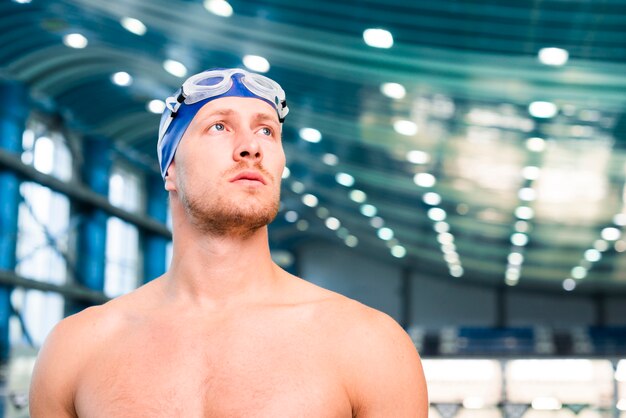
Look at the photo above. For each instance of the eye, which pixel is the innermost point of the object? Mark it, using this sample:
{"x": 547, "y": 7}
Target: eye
{"x": 217, "y": 127}
{"x": 266, "y": 131}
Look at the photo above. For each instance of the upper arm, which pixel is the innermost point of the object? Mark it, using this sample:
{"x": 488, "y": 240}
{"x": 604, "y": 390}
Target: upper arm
{"x": 388, "y": 379}
{"x": 54, "y": 377}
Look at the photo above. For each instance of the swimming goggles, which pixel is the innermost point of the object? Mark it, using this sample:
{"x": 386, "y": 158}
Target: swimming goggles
{"x": 209, "y": 85}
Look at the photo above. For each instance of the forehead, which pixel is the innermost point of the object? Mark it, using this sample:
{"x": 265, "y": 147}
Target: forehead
{"x": 243, "y": 107}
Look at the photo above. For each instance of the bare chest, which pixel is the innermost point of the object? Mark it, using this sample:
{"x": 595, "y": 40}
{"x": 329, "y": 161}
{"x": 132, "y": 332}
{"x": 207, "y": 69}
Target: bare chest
{"x": 213, "y": 374}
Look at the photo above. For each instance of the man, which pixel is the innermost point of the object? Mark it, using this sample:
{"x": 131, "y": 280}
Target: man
{"x": 226, "y": 332}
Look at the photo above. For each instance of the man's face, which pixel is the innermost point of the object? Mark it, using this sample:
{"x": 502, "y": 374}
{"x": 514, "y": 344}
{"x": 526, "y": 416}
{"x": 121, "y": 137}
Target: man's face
{"x": 228, "y": 166}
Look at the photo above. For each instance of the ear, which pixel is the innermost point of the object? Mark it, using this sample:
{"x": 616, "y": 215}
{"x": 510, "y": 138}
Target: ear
{"x": 170, "y": 178}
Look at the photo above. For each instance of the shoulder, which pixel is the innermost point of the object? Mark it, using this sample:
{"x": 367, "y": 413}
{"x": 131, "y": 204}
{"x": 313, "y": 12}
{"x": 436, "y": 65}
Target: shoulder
{"x": 381, "y": 368}
{"x": 65, "y": 354}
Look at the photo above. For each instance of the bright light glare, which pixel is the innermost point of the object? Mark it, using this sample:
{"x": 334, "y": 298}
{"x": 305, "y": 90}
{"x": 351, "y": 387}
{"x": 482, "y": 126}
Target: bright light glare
{"x": 219, "y": 7}
{"x": 256, "y": 63}
{"x": 456, "y": 270}
{"x": 351, "y": 241}
{"x": 553, "y": 56}
{"x": 358, "y": 196}
{"x": 311, "y": 135}
{"x": 417, "y": 157}
{"x": 310, "y": 200}
{"x": 526, "y": 193}
{"x": 611, "y": 234}
{"x": 156, "y": 106}
{"x": 369, "y": 210}
{"x": 519, "y": 239}
{"x": 542, "y": 109}
{"x": 620, "y": 372}
{"x": 75, "y": 40}
{"x": 175, "y": 68}
{"x": 524, "y": 212}
{"x": 536, "y": 144}
{"x": 601, "y": 245}
{"x": 286, "y": 173}
{"x": 531, "y": 172}
{"x": 432, "y": 198}
{"x": 579, "y": 272}
{"x": 302, "y": 225}
{"x": 593, "y": 255}
{"x": 405, "y": 127}
{"x": 297, "y": 187}
{"x": 473, "y": 402}
{"x": 385, "y": 233}
{"x": 621, "y": 404}
{"x": 424, "y": 179}
{"x": 122, "y": 78}
{"x": 377, "y": 222}
{"x": 344, "y": 179}
{"x": 569, "y": 284}
{"x": 516, "y": 259}
{"x": 333, "y": 223}
{"x": 398, "y": 251}
{"x": 132, "y": 25}
{"x": 619, "y": 219}
{"x": 330, "y": 159}
{"x": 441, "y": 227}
{"x": 22, "y": 1}
{"x": 393, "y": 90}
{"x": 378, "y": 38}
{"x": 437, "y": 214}
{"x": 546, "y": 404}
{"x": 291, "y": 216}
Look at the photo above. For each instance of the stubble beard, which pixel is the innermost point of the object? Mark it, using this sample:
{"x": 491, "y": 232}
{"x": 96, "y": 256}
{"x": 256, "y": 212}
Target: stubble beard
{"x": 224, "y": 215}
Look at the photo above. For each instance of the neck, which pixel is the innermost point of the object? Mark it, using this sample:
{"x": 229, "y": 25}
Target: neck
{"x": 217, "y": 271}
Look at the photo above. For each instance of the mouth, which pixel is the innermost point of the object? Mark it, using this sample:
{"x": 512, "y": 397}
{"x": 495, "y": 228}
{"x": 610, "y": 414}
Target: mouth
{"x": 248, "y": 177}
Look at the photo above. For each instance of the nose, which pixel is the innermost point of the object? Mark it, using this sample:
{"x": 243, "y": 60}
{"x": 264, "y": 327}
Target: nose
{"x": 248, "y": 148}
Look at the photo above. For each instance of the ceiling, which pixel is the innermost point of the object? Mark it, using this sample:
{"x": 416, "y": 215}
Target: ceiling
{"x": 446, "y": 167}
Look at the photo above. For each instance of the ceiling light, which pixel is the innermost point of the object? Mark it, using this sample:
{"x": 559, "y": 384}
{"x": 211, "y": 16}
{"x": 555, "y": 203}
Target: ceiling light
{"x": 297, "y": 187}
{"x": 456, "y": 270}
{"x": 358, "y": 196}
{"x": 378, "y": 38}
{"x": 322, "y": 212}
{"x": 542, "y": 109}
{"x": 515, "y": 259}
{"x": 291, "y": 216}
{"x": 302, "y": 225}
{"x": 311, "y": 135}
{"x": 332, "y": 223}
{"x": 448, "y": 248}
{"x": 522, "y": 226}
{"x": 310, "y": 200}
{"x": 519, "y": 239}
{"x": 593, "y": 255}
{"x": 343, "y": 232}
{"x": 451, "y": 258}
{"x": 398, "y": 251}
{"x": 405, "y": 127}
{"x": 445, "y": 238}
{"x": 601, "y": 245}
{"x": 620, "y": 246}
{"x": 344, "y": 179}
{"x": 22, "y": 1}
{"x": 75, "y": 40}
{"x": 424, "y": 179}
{"x": 569, "y": 284}
{"x": 122, "y": 78}
{"x": 385, "y": 233}
{"x": 417, "y": 157}
{"x": 351, "y": 241}
{"x": 156, "y": 106}
{"x": 256, "y": 63}
{"x": 393, "y": 90}
{"x": 579, "y": 272}
{"x": 526, "y": 193}
{"x": 621, "y": 404}
{"x": 546, "y": 404}
{"x": 620, "y": 219}
{"x": 611, "y": 234}
{"x": 441, "y": 227}
{"x": 531, "y": 172}
{"x": 286, "y": 173}
{"x": 330, "y": 159}
{"x": 536, "y": 144}
{"x": 368, "y": 210}
{"x": 219, "y": 7}
{"x": 553, "y": 56}
{"x": 524, "y": 212}
{"x": 175, "y": 68}
{"x": 432, "y": 198}
{"x": 377, "y": 222}
{"x": 437, "y": 214}
{"x": 132, "y": 25}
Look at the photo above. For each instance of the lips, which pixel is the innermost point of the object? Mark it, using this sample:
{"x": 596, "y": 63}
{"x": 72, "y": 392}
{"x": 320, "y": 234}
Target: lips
{"x": 249, "y": 175}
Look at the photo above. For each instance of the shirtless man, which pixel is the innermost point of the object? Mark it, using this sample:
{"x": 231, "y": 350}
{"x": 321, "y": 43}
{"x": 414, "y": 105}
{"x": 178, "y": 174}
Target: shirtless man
{"x": 226, "y": 332}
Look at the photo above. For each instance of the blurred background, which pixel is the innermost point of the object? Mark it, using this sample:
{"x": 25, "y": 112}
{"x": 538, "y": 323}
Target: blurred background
{"x": 459, "y": 165}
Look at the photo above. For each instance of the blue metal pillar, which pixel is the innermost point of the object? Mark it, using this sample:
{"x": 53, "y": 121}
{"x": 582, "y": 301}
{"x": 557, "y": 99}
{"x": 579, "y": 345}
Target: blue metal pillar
{"x": 13, "y": 114}
{"x": 91, "y": 245}
{"x": 155, "y": 246}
